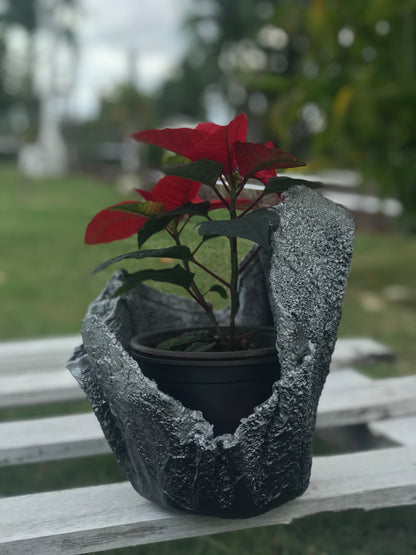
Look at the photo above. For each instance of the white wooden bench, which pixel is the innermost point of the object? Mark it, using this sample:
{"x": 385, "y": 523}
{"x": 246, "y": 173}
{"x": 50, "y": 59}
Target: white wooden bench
{"x": 98, "y": 518}
{"x": 105, "y": 517}
{"x": 348, "y": 399}
{"x": 33, "y": 372}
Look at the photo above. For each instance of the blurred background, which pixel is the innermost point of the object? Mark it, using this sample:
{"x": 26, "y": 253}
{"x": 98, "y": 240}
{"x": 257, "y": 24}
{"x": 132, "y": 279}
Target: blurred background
{"x": 332, "y": 82}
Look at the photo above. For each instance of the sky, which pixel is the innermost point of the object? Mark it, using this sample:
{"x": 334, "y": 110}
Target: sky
{"x": 108, "y": 31}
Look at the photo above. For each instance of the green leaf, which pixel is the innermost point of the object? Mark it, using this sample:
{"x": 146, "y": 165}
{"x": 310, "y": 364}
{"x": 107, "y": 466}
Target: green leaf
{"x": 185, "y": 340}
{"x": 204, "y": 171}
{"x": 176, "y": 275}
{"x": 200, "y": 347}
{"x": 146, "y": 208}
{"x": 220, "y": 290}
{"x": 256, "y": 226}
{"x": 159, "y": 222}
{"x": 181, "y": 253}
{"x": 280, "y": 184}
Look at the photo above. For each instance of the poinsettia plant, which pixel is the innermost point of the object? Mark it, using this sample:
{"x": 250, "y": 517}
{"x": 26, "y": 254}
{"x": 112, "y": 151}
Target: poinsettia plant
{"x": 220, "y": 158}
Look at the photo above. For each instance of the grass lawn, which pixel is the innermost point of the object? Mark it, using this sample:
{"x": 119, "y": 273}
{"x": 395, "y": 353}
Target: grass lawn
{"x": 46, "y": 285}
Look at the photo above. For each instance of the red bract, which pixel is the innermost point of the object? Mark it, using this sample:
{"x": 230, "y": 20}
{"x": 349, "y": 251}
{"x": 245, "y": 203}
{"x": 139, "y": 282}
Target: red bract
{"x": 225, "y": 144}
{"x": 178, "y": 140}
{"x": 111, "y": 224}
{"x": 219, "y": 143}
{"x": 255, "y": 158}
{"x": 173, "y": 192}
{"x": 208, "y": 140}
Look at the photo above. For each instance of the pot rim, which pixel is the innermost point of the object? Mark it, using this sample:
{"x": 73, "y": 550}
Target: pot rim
{"x": 153, "y": 352}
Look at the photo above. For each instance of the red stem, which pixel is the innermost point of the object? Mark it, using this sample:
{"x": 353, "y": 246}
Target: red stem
{"x": 244, "y": 212}
{"x": 225, "y": 184}
{"x": 213, "y": 274}
{"x": 222, "y": 199}
{"x": 247, "y": 262}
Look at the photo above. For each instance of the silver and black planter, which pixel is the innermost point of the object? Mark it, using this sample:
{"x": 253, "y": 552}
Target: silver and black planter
{"x": 171, "y": 453}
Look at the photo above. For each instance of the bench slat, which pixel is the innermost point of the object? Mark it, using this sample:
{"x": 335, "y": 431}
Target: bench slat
{"x": 46, "y": 439}
{"x": 36, "y": 354}
{"x": 113, "y": 516}
{"x": 400, "y": 430}
{"x": 350, "y": 352}
{"x": 32, "y": 372}
{"x": 42, "y": 355}
{"x": 38, "y": 388}
{"x": 374, "y": 400}
{"x": 348, "y": 398}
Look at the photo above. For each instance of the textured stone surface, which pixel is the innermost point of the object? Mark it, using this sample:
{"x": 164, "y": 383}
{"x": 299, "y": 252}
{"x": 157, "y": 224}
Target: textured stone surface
{"x": 167, "y": 451}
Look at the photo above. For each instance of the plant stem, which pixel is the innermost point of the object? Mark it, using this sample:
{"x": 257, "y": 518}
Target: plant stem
{"x": 207, "y": 307}
{"x": 196, "y": 294}
{"x": 255, "y": 201}
{"x": 226, "y": 188}
{"x": 249, "y": 259}
{"x": 241, "y": 186}
{"x": 213, "y": 274}
{"x": 234, "y": 270}
{"x": 222, "y": 199}
{"x": 198, "y": 246}
{"x": 186, "y": 220}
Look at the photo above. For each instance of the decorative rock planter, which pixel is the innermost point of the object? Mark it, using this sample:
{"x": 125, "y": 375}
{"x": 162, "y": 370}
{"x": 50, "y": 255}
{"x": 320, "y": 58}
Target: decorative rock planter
{"x": 169, "y": 452}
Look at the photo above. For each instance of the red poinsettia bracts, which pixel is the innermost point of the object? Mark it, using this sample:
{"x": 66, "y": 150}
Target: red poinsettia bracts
{"x": 225, "y": 144}
{"x": 207, "y": 140}
{"x": 256, "y": 159}
{"x": 172, "y": 192}
{"x": 112, "y": 224}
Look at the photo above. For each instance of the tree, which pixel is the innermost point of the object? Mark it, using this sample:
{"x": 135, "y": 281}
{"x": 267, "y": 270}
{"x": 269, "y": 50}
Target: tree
{"x": 122, "y": 112}
{"x": 31, "y": 16}
{"x": 349, "y": 100}
{"x": 332, "y": 81}
{"x": 222, "y": 46}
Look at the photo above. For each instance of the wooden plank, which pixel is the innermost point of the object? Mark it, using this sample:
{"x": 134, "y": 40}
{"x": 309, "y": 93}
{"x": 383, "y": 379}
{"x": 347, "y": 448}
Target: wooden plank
{"x": 38, "y": 388}
{"x": 51, "y": 386}
{"x": 348, "y": 398}
{"x": 343, "y": 380}
{"x": 41, "y": 355}
{"x": 355, "y": 202}
{"x": 399, "y": 430}
{"x": 80, "y": 435}
{"x": 37, "y": 374}
{"x": 113, "y": 516}
{"x": 374, "y": 400}
{"x": 350, "y": 352}
{"x": 36, "y": 354}
{"x": 368, "y": 204}
{"x": 44, "y": 439}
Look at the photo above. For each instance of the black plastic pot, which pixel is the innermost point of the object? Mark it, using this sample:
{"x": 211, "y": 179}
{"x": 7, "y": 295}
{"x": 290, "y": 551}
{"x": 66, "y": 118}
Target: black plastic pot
{"x": 224, "y": 386}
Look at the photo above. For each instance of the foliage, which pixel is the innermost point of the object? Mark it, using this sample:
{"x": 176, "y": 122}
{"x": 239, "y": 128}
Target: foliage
{"x": 221, "y": 47}
{"x": 34, "y": 19}
{"x": 350, "y": 97}
{"x": 330, "y": 80}
{"x": 120, "y": 113}
{"x": 216, "y": 156}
